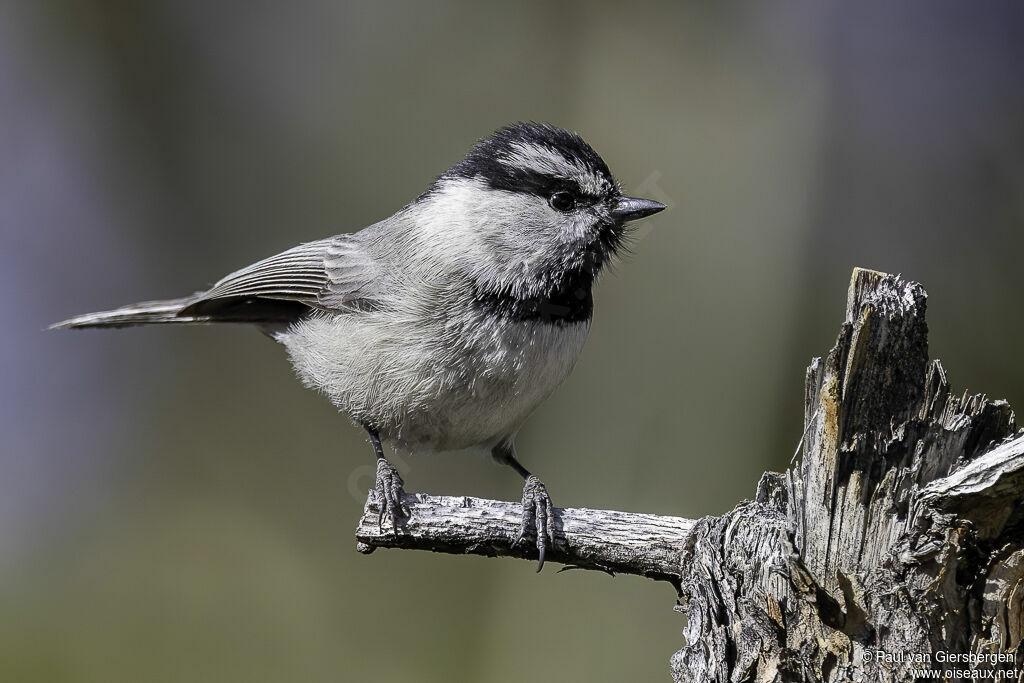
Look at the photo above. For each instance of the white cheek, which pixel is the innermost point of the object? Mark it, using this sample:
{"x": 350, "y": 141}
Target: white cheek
{"x": 497, "y": 237}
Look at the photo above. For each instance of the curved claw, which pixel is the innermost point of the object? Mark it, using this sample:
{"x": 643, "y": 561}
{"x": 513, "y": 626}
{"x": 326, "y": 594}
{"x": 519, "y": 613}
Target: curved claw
{"x": 389, "y": 495}
{"x": 538, "y": 517}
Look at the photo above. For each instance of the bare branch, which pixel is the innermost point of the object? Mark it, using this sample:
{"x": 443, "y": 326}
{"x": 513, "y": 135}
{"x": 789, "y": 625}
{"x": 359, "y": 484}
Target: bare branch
{"x": 617, "y": 542}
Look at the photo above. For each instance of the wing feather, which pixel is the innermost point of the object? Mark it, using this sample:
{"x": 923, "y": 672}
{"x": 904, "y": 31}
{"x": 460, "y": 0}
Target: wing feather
{"x": 295, "y": 275}
{"x": 335, "y": 274}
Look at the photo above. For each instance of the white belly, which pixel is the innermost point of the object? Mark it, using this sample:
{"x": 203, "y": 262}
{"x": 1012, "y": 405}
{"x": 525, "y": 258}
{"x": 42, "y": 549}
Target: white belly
{"x": 447, "y": 385}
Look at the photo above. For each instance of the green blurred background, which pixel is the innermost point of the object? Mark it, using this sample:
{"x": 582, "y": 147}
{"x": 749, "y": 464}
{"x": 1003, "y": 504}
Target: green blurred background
{"x": 174, "y": 506}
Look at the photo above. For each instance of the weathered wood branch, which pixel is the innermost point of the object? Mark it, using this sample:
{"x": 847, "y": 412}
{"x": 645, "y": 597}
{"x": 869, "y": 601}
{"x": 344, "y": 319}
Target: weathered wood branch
{"x": 616, "y": 542}
{"x": 897, "y": 539}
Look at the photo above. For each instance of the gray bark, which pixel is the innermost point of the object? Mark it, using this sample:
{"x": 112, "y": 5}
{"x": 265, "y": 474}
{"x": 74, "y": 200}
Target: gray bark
{"x": 615, "y": 542}
{"x": 898, "y": 537}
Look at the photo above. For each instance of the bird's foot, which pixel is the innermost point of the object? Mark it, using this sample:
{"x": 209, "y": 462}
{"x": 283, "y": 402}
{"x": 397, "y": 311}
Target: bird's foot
{"x": 538, "y": 517}
{"x": 389, "y": 495}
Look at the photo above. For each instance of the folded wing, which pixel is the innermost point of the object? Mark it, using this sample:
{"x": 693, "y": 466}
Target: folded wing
{"x": 332, "y": 274}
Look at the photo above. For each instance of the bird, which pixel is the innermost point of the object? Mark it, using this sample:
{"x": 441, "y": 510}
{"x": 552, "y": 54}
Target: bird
{"x": 443, "y": 326}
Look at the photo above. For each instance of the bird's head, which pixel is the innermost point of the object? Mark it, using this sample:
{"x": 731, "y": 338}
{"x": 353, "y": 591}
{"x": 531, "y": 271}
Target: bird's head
{"x": 531, "y": 205}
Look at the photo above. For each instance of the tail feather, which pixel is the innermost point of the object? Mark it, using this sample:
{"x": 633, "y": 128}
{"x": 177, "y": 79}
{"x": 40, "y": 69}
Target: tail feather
{"x": 143, "y": 313}
{"x": 195, "y": 309}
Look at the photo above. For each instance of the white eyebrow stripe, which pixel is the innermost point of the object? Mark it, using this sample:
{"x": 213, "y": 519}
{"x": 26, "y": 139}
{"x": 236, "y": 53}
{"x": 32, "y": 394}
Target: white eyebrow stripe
{"x": 544, "y": 160}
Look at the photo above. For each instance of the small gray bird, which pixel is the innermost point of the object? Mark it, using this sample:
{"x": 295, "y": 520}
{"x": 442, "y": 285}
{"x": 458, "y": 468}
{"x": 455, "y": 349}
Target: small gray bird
{"x": 444, "y": 326}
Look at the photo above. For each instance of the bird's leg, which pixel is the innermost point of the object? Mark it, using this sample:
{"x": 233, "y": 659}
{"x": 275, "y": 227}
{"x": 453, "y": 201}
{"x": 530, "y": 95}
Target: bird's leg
{"x": 538, "y": 515}
{"x": 389, "y": 487}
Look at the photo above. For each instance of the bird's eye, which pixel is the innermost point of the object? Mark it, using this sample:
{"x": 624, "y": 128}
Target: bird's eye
{"x": 563, "y": 201}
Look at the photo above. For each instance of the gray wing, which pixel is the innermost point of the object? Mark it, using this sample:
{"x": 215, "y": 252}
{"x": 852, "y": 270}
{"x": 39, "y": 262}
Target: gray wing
{"x": 331, "y": 274}
{"x": 356, "y": 280}
{"x": 294, "y": 275}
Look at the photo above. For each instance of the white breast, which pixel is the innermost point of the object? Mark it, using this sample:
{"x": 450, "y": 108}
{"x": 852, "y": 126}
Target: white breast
{"x": 441, "y": 382}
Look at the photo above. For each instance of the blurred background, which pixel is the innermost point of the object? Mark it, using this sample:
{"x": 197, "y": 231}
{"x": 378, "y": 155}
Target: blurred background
{"x": 175, "y": 506}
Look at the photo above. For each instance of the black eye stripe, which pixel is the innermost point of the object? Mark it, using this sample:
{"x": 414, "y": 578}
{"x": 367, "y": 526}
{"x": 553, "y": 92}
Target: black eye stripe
{"x": 530, "y": 181}
{"x": 533, "y": 182}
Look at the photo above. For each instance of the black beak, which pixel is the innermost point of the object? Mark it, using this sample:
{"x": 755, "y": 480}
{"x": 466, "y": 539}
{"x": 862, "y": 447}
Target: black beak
{"x": 631, "y": 209}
